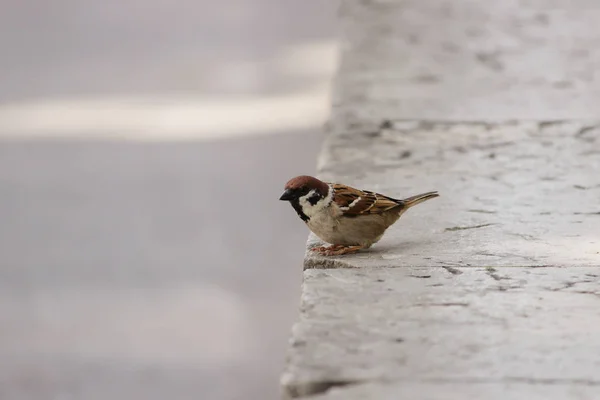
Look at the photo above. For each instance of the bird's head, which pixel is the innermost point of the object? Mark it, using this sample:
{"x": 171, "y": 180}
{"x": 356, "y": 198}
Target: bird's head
{"x": 307, "y": 195}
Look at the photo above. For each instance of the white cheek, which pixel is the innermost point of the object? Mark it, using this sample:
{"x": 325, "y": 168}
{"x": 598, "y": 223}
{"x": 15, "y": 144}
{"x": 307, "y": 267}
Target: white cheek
{"x": 311, "y": 210}
{"x": 308, "y": 208}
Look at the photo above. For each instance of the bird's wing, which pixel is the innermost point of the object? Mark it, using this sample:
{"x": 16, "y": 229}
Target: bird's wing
{"x": 354, "y": 202}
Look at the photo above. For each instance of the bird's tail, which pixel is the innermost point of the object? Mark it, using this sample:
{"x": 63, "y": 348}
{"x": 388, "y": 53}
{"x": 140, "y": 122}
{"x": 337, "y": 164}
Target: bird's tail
{"x": 414, "y": 200}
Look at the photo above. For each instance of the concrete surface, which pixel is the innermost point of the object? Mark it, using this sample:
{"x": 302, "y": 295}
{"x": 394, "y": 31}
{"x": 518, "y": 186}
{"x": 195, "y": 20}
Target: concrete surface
{"x": 449, "y": 390}
{"x": 137, "y": 266}
{"x": 520, "y": 193}
{"x": 467, "y": 60}
{"x": 492, "y": 327}
{"x": 491, "y": 290}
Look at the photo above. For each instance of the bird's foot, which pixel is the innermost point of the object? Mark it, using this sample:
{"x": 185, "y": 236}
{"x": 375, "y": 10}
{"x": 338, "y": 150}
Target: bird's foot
{"x": 335, "y": 250}
{"x": 325, "y": 249}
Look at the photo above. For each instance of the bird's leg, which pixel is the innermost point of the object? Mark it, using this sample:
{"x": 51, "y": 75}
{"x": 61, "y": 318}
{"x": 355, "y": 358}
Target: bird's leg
{"x": 338, "y": 250}
{"x": 345, "y": 250}
{"x": 324, "y": 249}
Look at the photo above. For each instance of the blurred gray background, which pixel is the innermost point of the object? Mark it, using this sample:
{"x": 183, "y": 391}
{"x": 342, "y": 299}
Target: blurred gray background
{"x": 143, "y": 147}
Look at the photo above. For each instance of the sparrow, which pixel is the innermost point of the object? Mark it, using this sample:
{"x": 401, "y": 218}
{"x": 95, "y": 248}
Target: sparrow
{"x": 349, "y": 219}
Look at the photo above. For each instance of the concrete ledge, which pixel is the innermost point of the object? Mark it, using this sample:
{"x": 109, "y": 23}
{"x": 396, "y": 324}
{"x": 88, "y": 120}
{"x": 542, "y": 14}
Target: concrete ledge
{"x": 486, "y": 326}
{"x": 492, "y": 290}
{"x": 492, "y": 287}
{"x": 489, "y": 389}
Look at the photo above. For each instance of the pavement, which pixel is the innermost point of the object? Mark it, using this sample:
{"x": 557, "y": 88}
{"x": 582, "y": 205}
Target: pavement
{"x": 492, "y": 289}
{"x": 143, "y": 149}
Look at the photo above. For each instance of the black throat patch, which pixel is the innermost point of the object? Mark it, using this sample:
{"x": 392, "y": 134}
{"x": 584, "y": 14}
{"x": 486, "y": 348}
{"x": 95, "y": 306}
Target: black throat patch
{"x": 296, "y": 204}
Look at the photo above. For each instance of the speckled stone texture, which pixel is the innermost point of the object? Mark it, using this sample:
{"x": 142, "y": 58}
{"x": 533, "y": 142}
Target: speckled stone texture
{"x": 492, "y": 290}
{"x": 474, "y": 330}
{"x": 467, "y": 60}
{"x": 511, "y": 194}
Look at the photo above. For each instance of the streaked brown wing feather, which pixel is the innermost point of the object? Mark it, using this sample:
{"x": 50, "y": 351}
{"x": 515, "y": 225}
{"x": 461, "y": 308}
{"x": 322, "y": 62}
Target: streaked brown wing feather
{"x": 354, "y": 202}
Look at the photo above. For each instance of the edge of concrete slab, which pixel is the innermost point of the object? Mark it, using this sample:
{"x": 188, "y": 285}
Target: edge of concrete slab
{"x": 428, "y": 326}
{"x": 467, "y": 295}
{"x": 325, "y": 353}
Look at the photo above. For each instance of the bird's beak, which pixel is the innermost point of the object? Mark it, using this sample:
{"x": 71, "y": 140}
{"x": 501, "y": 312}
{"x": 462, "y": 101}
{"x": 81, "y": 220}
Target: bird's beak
{"x": 287, "y": 195}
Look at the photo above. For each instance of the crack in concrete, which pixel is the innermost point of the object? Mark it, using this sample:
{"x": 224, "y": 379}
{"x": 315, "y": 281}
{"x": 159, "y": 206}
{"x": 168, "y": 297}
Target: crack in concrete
{"x": 483, "y": 253}
{"x": 570, "y": 284}
{"x": 452, "y": 270}
{"x": 547, "y": 124}
{"x": 462, "y": 228}
{"x": 582, "y": 131}
{"x": 523, "y": 236}
{"x": 310, "y": 389}
{"x": 489, "y": 146}
{"x": 581, "y": 187}
{"x": 516, "y": 379}
{"x": 597, "y": 294}
{"x": 492, "y": 273}
{"x": 443, "y": 304}
{"x": 313, "y": 388}
{"x": 481, "y": 211}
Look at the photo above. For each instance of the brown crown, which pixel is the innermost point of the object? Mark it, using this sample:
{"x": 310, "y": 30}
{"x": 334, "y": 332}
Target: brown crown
{"x": 305, "y": 181}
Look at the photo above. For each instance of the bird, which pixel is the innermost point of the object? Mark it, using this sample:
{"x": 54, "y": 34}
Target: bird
{"x": 347, "y": 218}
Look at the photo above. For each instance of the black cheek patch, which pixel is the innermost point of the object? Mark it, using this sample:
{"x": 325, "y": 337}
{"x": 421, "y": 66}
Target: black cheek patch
{"x": 314, "y": 199}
